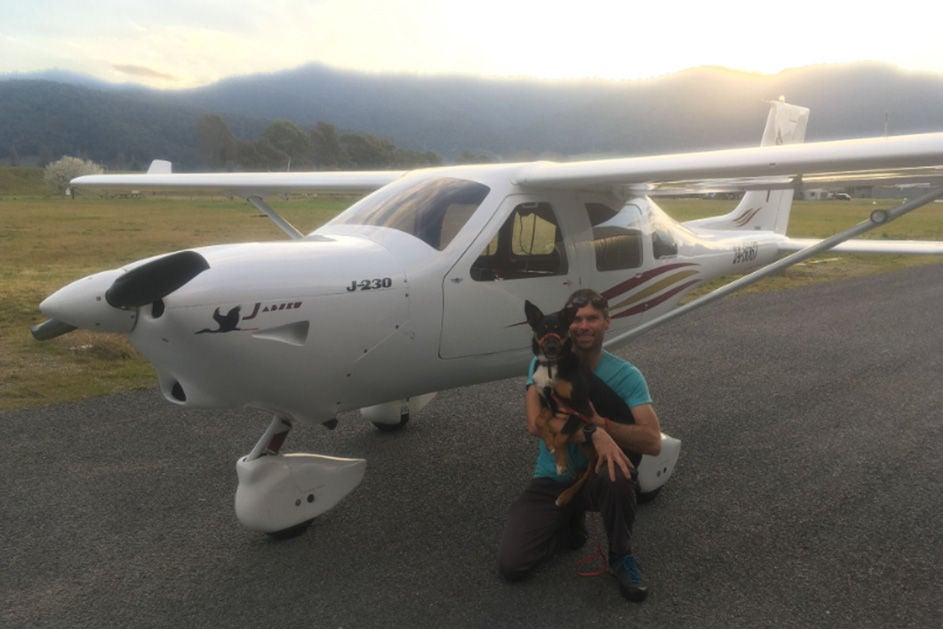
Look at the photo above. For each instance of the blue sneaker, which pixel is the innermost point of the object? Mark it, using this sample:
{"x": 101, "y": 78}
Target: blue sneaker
{"x": 628, "y": 572}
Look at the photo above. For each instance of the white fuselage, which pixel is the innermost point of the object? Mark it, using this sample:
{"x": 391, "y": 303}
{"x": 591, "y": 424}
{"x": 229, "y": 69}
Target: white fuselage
{"x": 419, "y": 287}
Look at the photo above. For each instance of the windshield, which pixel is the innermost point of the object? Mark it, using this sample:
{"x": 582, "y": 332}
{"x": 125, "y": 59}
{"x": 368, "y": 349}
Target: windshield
{"x": 433, "y": 210}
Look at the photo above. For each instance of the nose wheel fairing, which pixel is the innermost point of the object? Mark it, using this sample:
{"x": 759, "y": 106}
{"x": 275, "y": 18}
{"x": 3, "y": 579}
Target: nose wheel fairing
{"x": 278, "y": 492}
{"x": 284, "y": 492}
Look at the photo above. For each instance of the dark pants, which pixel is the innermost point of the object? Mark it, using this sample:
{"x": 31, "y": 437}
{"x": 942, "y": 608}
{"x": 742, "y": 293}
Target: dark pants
{"x": 536, "y": 527}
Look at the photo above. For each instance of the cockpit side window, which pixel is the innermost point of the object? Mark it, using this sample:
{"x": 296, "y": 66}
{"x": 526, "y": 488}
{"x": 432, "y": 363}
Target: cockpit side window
{"x": 529, "y": 244}
{"x": 433, "y": 210}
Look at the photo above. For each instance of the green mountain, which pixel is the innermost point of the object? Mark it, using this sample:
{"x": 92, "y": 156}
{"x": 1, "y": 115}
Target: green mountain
{"x": 127, "y": 126}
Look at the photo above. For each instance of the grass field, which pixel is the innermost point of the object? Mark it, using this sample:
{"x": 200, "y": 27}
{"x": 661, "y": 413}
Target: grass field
{"x": 48, "y": 241}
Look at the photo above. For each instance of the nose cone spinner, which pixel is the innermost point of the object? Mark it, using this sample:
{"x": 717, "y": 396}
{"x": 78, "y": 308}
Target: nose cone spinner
{"x": 82, "y": 304}
{"x": 108, "y": 301}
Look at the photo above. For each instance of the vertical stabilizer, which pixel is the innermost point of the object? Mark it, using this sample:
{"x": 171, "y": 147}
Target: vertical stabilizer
{"x": 785, "y": 124}
{"x": 766, "y": 209}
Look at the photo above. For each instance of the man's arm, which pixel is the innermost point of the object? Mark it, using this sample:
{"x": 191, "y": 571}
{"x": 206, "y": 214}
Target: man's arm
{"x": 643, "y": 437}
{"x": 611, "y": 439}
{"x": 532, "y": 406}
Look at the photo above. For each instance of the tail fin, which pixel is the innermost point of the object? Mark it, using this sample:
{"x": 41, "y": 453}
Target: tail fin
{"x": 785, "y": 124}
{"x": 766, "y": 209}
{"x": 160, "y": 167}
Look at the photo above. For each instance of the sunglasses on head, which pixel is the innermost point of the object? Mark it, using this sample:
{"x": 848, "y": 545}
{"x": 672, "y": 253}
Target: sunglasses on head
{"x": 598, "y": 302}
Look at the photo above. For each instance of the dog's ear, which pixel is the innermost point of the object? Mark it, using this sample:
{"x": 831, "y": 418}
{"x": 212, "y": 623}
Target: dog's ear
{"x": 566, "y": 316}
{"x": 533, "y": 313}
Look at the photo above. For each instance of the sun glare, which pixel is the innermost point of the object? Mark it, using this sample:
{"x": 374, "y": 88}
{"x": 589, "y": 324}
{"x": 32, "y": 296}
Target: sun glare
{"x": 183, "y": 45}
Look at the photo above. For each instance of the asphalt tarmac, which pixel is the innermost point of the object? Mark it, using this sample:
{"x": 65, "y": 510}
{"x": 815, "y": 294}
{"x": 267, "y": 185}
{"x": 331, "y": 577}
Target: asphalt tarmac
{"x": 808, "y": 493}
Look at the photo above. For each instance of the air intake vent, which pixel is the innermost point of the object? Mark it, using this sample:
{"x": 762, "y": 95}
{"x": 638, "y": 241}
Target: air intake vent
{"x": 291, "y": 334}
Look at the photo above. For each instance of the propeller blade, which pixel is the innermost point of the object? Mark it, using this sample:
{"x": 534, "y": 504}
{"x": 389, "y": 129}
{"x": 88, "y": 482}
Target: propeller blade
{"x": 50, "y": 329}
{"x": 155, "y": 280}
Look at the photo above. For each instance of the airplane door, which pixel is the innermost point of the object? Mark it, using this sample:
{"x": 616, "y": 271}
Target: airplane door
{"x": 524, "y": 253}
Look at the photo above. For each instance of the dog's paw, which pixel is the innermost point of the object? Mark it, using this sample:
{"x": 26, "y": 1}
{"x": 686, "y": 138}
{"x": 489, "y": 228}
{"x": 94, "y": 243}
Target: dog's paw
{"x": 563, "y": 499}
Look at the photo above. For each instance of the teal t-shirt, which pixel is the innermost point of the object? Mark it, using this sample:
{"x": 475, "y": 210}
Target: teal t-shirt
{"x": 623, "y": 378}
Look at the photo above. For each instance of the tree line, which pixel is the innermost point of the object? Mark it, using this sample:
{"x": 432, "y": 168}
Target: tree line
{"x": 284, "y": 146}
{"x": 44, "y": 121}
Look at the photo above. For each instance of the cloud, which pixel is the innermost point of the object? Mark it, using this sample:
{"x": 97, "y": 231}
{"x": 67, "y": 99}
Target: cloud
{"x": 143, "y": 72}
{"x": 181, "y": 43}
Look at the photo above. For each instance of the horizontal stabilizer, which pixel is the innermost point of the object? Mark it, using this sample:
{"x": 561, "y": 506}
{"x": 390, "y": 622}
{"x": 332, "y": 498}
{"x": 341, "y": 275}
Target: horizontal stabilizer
{"x": 900, "y": 247}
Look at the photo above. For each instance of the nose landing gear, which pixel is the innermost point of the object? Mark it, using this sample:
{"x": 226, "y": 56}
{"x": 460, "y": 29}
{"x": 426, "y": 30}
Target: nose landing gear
{"x": 281, "y": 494}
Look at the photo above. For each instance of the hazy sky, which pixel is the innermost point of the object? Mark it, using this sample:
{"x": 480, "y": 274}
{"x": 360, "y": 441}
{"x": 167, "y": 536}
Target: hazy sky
{"x": 183, "y": 43}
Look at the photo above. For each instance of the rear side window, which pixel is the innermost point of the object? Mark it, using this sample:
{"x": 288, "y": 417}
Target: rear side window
{"x": 664, "y": 244}
{"x": 617, "y": 239}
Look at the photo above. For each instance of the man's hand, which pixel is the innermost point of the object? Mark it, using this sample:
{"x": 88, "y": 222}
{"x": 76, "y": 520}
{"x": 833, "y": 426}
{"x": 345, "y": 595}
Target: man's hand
{"x": 610, "y": 455}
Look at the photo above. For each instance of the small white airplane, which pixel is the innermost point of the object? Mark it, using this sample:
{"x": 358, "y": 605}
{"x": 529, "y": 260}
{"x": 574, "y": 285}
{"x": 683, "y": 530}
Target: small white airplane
{"x": 420, "y": 286}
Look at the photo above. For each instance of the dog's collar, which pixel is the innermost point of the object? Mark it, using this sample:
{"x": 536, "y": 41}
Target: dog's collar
{"x": 541, "y": 358}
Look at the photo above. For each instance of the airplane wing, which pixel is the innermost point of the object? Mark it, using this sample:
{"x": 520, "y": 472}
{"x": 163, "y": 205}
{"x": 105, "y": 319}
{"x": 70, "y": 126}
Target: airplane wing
{"x": 896, "y": 158}
{"x": 244, "y": 184}
{"x": 892, "y": 160}
{"x": 253, "y": 187}
{"x": 906, "y": 158}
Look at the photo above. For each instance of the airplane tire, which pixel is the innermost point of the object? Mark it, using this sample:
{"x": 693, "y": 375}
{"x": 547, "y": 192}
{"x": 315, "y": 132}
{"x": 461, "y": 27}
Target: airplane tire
{"x": 291, "y": 531}
{"x": 403, "y": 420}
{"x": 646, "y": 497}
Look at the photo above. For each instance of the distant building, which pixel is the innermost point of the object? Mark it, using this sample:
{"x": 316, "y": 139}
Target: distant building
{"x": 815, "y": 194}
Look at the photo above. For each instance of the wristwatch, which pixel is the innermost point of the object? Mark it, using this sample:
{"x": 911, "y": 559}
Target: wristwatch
{"x": 588, "y": 431}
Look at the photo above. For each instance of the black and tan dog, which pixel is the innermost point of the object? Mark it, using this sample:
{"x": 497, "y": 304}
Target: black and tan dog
{"x": 567, "y": 387}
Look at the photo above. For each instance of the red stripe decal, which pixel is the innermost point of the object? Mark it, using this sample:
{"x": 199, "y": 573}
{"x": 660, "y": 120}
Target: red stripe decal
{"x": 637, "y": 280}
{"x": 651, "y": 303}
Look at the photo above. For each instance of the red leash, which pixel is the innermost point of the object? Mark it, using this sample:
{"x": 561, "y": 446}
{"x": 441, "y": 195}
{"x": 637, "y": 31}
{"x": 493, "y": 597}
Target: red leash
{"x": 596, "y": 556}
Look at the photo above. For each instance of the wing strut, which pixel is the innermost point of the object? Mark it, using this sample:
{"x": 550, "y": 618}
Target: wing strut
{"x": 284, "y": 225}
{"x": 877, "y": 218}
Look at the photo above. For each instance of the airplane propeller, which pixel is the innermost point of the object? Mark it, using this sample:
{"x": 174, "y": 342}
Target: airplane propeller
{"x": 107, "y": 302}
{"x": 50, "y": 329}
